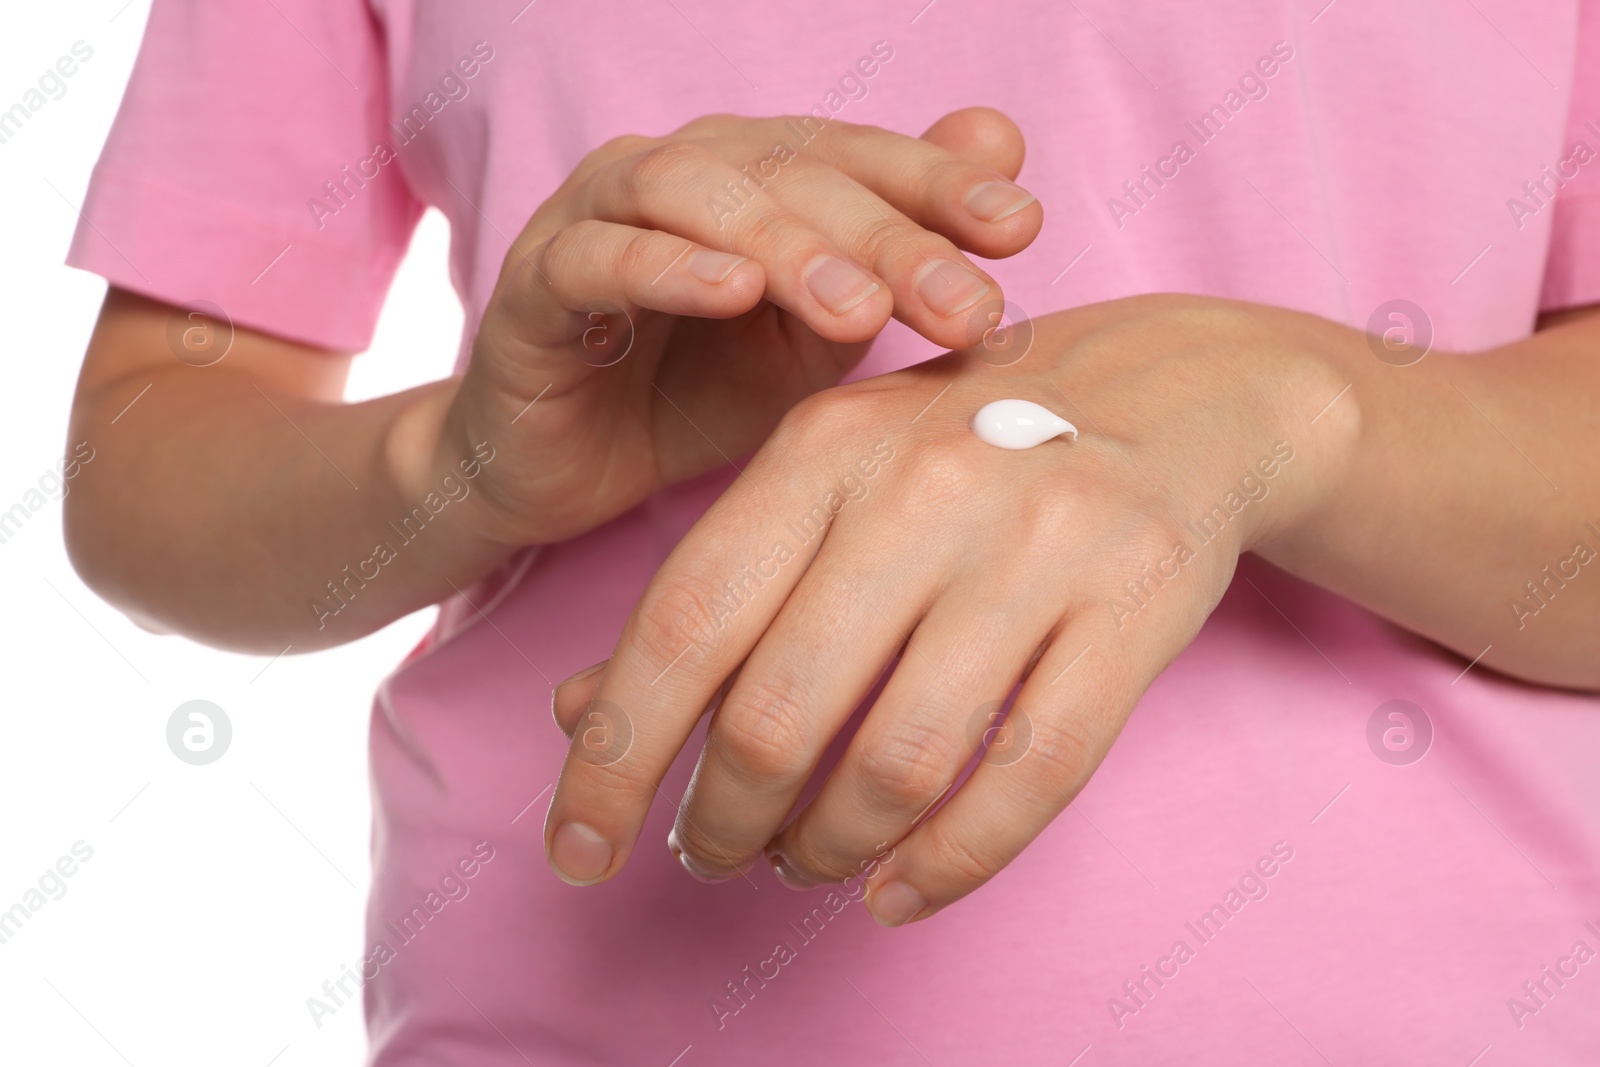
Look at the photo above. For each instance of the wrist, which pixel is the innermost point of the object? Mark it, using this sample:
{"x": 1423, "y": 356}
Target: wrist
{"x": 435, "y": 473}
{"x": 416, "y": 447}
{"x": 1321, "y": 372}
{"x": 1255, "y": 407}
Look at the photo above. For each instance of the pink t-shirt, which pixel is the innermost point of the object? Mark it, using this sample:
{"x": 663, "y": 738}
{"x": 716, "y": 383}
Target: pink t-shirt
{"x": 1263, "y": 871}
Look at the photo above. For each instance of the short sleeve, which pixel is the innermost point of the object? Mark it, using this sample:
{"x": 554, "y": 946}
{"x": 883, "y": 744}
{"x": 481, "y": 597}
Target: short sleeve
{"x": 1572, "y": 271}
{"x": 249, "y": 166}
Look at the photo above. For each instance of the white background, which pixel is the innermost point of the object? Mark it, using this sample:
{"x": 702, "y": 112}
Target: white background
{"x": 220, "y": 897}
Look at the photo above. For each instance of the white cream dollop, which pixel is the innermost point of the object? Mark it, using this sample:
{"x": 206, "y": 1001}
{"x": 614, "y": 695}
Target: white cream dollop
{"x": 1019, "y": 424}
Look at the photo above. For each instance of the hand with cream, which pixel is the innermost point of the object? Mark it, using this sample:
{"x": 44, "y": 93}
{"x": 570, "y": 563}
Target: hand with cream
{"x": 971, "y": 568}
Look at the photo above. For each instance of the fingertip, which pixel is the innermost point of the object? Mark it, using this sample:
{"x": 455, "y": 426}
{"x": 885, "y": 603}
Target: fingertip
{"x": 896, "y": 903}
{"x": 950, "y": 289}
{"x": 996, "y": 201}
{"x": 787, "y": 874}
{"x": 695, "y": 870}
{"x": 981, "y": 135}
{"x": 742, "y": 288}
{"x": 1006, "y": 216}
{"x": 862, "y": 323}
{"x": 838, "y": 284}
{"x": 853, "y": 304}
{"x": 579, "y": 854}
{"x": 970, "y": 325}
{"x": 709, "y": 284}
{"x": 713, "y": 267}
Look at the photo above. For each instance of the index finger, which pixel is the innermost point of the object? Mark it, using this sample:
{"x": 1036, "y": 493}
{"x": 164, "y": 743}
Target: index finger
{"x": 702, "y": 613}
{"x": 955, "y": 180}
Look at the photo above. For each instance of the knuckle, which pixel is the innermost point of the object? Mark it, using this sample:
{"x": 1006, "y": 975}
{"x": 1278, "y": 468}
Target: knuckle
{"x": 568, "y": 244}
{"x": 1060, "y": 754}
{"x": 520, "y": 273}
{"x": 663, "y": 167}
{"x": 675, "y": 615}
{"x": 820, "y": 863}
{"x": 554, "y": 252}
{"x": 766, "y": 734}
{"x": 969, "y": 863}
{"x": 843, "y": 136}
{"x": 881, "y": 240}
{"x": 626, "y": 144}
{"x": 954, "y": 171}
{"x": 910, "y": 766}
{"x": 614, "y": 786}
{"x": 767, "y": 231}
{"x": 707, "y": 124}
{"x": 707, "y": 852}
{"x": 637, "y": 256}
{"x": 942, "y": 475}
{"x": 820, "y": 420}
{"x": 1052, "y": 520}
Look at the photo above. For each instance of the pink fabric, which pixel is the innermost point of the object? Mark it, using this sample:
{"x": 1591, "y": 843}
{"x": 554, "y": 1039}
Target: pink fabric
{"x": 1406, "y": 905}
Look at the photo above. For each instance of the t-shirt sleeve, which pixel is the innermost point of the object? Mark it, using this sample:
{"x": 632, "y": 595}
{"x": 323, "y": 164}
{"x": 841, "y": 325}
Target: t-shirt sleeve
{"x": 1572, "y": 271}
{"x": 234, "y": 172}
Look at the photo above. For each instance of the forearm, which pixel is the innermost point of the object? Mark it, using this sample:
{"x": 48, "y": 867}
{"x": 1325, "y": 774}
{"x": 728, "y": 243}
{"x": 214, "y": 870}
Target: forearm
{"x": 1470, "y": 508}
{"x": 253, "y": 518}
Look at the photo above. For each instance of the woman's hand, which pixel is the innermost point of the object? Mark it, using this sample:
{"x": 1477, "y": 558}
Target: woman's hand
{"x": 678, "y": 294}
{"x": 874, "y": 525}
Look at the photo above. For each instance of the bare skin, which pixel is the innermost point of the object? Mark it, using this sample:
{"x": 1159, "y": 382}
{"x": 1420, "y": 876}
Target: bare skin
{"x": 222, "y": 502}
{"x": 1398, "y": 487}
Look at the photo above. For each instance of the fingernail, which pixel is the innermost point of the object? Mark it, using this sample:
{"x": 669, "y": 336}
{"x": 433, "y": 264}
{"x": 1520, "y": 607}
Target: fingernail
{"x": 578, "y": 854}
{"x": 786, "y": 873}
{"x": 947, "y": 287}
{"x": 895, "y": 904}
{"x": 993, "y": 201}
{"x": 586, "y": 673}
{"x": 713, "y": 267}
{"x": 697, "y": 872}
{"x": 838, "y": 285}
